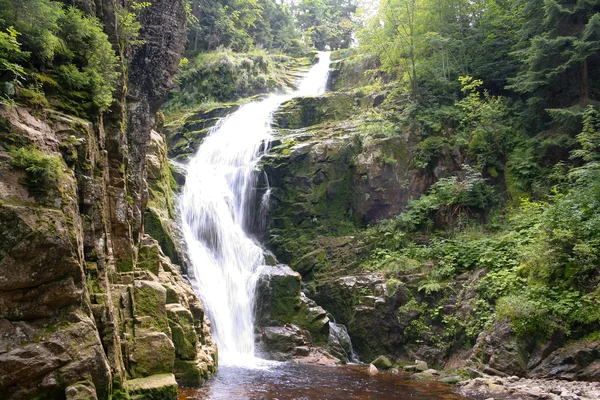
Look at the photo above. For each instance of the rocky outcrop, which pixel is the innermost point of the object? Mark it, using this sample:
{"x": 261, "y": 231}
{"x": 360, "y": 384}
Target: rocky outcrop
{"x": 185, "y": 135}
{"x": 290, "y": 325}
{"x": 74, "y": 323}
{"x": 90, "y": 307}
{"x": 160, "y": 214}
{"x": 151, "y": 68}
{"x": 332, "y": 171}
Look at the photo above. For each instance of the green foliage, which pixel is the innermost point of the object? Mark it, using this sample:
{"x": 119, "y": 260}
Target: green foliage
{"x": 57, "y": 52}
{"x": 11, "y": 72}
{"x": 562, "y": 53}
{"x": 452, "y": 200}
{"x": 241, "y": 25}
{"x": 41, "y": 171}
{"x": 88, "y": 61}
{"x": 491, "y": 136}
{"x": 528, "y": 318}
{"x": 326, "y": 24}
{"x": 227, "y": 76}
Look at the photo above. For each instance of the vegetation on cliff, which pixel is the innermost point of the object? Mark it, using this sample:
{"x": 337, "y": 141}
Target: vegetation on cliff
{"x": 51, "y": 53}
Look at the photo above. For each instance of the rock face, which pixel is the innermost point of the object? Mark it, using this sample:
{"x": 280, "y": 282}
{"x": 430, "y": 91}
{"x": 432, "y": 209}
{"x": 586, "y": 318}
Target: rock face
{"x": 90, "y": 307}
{"x": 332, "y": 173}
{"x": 290, "y": 325}
{"x": 72, "y": 322}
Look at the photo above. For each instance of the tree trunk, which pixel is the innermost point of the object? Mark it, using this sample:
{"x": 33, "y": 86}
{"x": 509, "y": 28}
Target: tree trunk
{"x": 585, "y": 82}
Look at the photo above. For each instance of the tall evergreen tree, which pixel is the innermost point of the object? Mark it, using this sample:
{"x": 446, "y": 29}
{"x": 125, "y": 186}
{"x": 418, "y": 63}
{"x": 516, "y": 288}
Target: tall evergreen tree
{"x": 560, "y": 57}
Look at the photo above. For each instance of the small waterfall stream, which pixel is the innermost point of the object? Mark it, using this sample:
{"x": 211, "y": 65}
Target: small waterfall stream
{"x": 215, "y": 210}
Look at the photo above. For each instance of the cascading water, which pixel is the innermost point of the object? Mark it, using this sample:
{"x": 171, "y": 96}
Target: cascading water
{"x": 215, "y": 210}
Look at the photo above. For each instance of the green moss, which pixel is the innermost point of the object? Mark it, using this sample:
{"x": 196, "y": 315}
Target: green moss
{"x": 149, "y": 299}
{"x": 189, "y": 373}
{"x": 155, "y": 227}
{"x": 184, "y": 335}
{"x": 124, "y": 264}
{"x": 155, "y": 387}
{"x": 149, "y": 259}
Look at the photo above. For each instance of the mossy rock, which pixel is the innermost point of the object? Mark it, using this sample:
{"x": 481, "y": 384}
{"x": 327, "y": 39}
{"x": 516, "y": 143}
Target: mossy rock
{"x": 149, "y": 259}
{"x": 302, "y": 112}
{"x": 155, "y": 387}
{"x": 382, "y": 362}
{"x": 190, "y": 373}
{"x": 149, "y": 300}
{"x": 184, "y": 335}
{"x": 153, "y": 353}
{"x": 160, "y": 231}
{"x": 278, "y": 295}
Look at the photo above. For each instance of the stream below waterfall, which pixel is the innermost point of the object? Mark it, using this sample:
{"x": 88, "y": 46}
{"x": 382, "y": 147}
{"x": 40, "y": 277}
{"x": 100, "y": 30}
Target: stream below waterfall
{"x": 287, "y": 381}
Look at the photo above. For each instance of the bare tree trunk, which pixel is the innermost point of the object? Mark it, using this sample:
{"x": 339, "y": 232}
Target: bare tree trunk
{"x": 585, "y": 82}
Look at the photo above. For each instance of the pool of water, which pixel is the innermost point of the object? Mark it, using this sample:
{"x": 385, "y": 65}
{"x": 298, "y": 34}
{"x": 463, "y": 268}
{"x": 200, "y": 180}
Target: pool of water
{"x": 286, "y": 381}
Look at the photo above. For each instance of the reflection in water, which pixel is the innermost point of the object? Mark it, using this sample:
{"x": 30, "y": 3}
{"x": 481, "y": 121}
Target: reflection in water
{"x": 312, "y": 382}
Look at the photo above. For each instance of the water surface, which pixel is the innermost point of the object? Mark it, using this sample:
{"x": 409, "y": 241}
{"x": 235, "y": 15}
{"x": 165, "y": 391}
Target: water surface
{"x": 286, "y": 381}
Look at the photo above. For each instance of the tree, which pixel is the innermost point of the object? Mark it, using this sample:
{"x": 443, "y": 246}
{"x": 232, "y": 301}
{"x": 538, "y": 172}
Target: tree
{"x": 61, "y": 51}
{"x": 326, "y": 23}
{"x": 560, "y": 53}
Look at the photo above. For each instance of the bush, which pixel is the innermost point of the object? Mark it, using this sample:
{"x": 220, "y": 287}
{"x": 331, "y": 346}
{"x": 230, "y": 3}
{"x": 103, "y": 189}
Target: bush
{"x": 67, "y": 47}
{"x": 41, "y": 171}
{"x": 527, "y": 317}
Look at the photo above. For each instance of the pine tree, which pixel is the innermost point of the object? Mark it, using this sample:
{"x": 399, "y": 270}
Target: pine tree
{"x": 561, "y": 59}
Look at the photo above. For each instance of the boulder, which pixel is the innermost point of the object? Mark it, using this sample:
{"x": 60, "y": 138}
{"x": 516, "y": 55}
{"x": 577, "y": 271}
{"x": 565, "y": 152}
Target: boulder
{"x": 372, "y": 370}
{"x": 155, "y": 387}
{"x": 382, "y": 362}
{"x": 153, "y": 353}
{"x": 501, "y": 350}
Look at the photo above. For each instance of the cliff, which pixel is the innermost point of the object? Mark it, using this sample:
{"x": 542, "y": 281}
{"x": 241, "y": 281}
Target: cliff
{"x": 90, "y": 307}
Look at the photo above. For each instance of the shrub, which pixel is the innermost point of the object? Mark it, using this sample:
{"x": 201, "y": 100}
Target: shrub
{"x": 41, "y": 171}
{"x": 527, "y": 317}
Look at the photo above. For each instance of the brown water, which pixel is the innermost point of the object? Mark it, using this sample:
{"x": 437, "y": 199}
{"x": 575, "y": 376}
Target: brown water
{"x": 285, "y": 381}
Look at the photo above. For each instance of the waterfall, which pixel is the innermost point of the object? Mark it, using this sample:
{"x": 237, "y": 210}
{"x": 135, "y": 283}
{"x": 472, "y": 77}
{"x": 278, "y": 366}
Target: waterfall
{"x": 215, "y": 208}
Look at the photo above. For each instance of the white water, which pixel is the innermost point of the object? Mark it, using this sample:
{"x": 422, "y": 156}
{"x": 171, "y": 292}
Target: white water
{"x": 215, "y": 209}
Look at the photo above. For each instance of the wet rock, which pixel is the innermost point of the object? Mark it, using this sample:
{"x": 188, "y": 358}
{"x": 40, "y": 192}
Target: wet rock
{"x": 382, "y": 362}
{"x": 280, "y": 342}
{"x": 501, "y": 350}
{"x": 279, "y": 301}
{"x": 421, "y": 365}
{"x": 161, "y": 386}
{"x": 451, "y": 379}
{"x": 372, "y": 370}
{"x": 339, "y": 343}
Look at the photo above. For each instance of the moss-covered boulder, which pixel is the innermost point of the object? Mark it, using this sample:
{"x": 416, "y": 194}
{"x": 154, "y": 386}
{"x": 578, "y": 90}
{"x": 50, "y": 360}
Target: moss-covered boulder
{"x": 278, "y": 295}
{"x": 382, "y": 362}
{"x": 184, "y": 335}
{"x": 149, "y": 305}
{"x": 155, "y": 387}
{"x": 280, "y": 301}
{"x": 153, "y": 353}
